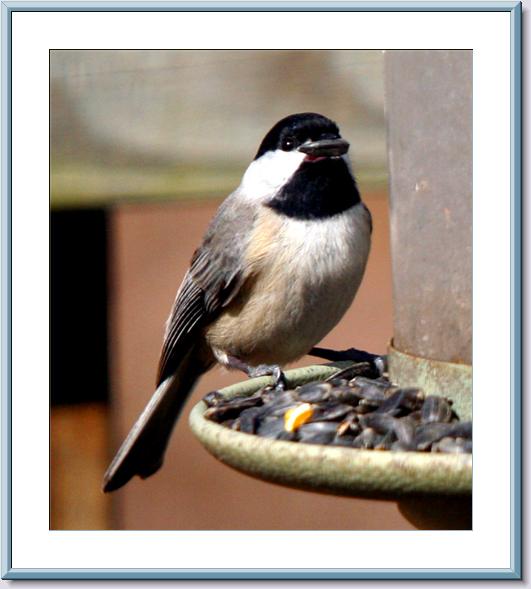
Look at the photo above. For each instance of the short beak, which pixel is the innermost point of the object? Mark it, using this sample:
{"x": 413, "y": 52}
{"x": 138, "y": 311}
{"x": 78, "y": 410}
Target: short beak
{"x": 325, "y": 148}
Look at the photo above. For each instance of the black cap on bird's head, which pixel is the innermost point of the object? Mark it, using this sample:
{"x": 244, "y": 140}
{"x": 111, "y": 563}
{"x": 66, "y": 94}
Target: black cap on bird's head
{"x": 301, "y": 169}
{"x": 308, "y": 132}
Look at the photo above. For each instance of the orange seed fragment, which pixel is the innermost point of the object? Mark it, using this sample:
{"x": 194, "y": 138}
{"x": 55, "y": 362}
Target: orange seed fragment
{"x": 297, "y": 416}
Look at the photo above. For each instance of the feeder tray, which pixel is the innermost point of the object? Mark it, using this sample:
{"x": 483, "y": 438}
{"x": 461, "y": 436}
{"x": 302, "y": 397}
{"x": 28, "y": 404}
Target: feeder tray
{"x": 417, "y": 480}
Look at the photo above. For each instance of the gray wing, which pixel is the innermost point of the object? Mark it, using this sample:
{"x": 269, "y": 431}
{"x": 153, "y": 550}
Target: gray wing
{"x": 215, "y": 276}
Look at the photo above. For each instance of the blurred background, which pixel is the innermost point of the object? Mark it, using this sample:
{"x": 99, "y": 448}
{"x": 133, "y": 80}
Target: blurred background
{"x": 144, "y": 146}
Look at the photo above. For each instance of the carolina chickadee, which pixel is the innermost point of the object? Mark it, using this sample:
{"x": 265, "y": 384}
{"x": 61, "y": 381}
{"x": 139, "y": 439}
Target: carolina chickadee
{"x": 278, "y": 267}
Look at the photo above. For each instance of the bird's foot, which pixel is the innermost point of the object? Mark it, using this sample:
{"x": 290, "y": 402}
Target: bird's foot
{"x": 352, "y": 355}
{"x": 273, "y": 370}
{"x": 269, "y": 370}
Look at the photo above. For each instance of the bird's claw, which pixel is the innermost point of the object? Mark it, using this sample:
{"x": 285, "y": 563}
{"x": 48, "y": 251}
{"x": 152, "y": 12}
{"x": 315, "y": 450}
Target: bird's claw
{"x": 269, "y": 370}
{"x": 352, "y": 355}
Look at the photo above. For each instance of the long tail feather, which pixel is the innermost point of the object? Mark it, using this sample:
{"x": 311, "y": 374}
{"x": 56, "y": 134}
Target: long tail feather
{"x": 142, "y": 452}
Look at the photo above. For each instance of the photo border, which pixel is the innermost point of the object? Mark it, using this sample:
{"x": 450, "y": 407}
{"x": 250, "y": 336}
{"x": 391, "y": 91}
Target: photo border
{"x": 515, "y": 8}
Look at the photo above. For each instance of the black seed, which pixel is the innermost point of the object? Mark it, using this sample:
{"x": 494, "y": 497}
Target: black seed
{"x": 384, "y": 382}
{"x": 248, "y": 419}
{"x": 343, "y": 440}
{"x": 270, "y": 394}
{"x": 468, "y": 446}
{"x": 436, "y": 409}
{"x": 452, "y": 446}
{"x": 405, "y": 432}
{"x": 213, "y": 398}
{"x": 401, "y": 402}
{"x": 230, "y": 409}
{"x": 365, "y": 412}
{"x": 330, "y": 412}
{"x": 429, "y": 433}
{"x": 317, "y": 433}
{"x": 462, "y": 429}
{"x": 398, "y": 446}
{"x": 349, "y": 426}
{"x": 381, "y": 423}
{"x": 415, "y": 417}
{"x": 362, "y": 381}
{"x": 281, "y": 403}
{"x": 338, "y": 382}
{"x": 365, "y": 406}
{"x": 380, "y": 383}
{"x": 386, "y": 441}
{"x": 367, "y": 439}
{"x": 370, "y": 392}
{"x": 314, "y": 392}
{"x": 346, "y": 394}
{"x": 213, "y": 414}
{"x": 273, "y": 428}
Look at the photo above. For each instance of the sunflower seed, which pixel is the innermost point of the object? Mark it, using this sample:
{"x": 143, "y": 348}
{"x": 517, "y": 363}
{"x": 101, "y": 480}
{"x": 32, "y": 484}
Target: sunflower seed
{"x": 362, "y": 412}
{"x": 317, "y": 433}
{"x": 436, "y": 409}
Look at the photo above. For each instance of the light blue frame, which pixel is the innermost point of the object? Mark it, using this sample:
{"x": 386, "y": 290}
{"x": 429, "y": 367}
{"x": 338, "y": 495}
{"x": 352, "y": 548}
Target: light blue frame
{"x": 515, "y": 572}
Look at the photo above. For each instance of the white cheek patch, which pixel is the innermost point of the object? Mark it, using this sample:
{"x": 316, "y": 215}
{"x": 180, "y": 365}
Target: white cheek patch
{"x": 266, "y": 175}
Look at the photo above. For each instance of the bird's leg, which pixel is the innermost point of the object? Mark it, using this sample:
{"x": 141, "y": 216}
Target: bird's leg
{"x": 352, "y": 354}
{"x": 261, "y": 370}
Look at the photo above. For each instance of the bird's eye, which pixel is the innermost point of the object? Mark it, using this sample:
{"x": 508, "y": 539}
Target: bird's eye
{"x": 288, "y": 143}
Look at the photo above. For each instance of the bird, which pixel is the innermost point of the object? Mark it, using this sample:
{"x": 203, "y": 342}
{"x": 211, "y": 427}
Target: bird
{"x": 278, "y": 266}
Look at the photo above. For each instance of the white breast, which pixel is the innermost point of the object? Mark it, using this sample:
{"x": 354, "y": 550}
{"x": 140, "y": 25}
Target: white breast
{"x": 326, "y": 259}
{"x": 306, "y": 281}
{"x": 331, "y": 249}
